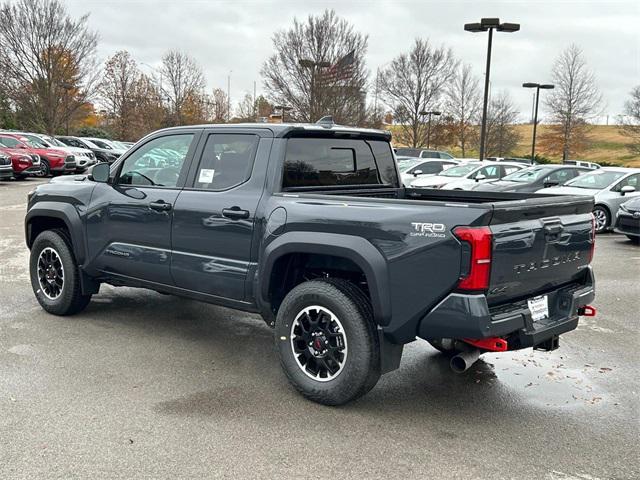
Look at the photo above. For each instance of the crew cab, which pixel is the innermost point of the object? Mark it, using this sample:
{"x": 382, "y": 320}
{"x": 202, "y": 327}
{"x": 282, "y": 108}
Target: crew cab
{"x": 310, "y": 226}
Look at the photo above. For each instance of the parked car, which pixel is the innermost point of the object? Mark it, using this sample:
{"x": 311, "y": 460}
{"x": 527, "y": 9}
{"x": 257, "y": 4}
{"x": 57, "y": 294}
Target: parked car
{"x": 314, "y": 230}
{"x": 108, "y": 155}
{"x": 412, "y": 168}
{"x": 53, "y": 161}
{"x": 6, "y": 169}
{"x": 609, "y": 186}
{"x": 628, "y": 219}
{"x": 422, "y": 153}
{"x": 582, "y": 163}
{"x": 107, "y": 145}
{"x": 85, "y": 158}
{"x": 467, "y": 175}
{"x": 23, "y": 164}
{"x": 532, "y": 179}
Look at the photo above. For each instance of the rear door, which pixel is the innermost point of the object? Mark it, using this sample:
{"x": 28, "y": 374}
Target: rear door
{"x": 538, "y": 245}
{"x": 129, "y": 219}
{"x": 214, "y": 215}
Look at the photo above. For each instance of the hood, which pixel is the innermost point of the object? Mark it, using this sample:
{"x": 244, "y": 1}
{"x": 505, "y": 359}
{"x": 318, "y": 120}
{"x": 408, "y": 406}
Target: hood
{"x": 569, "y": 191}
{"x": 69, "y": 178}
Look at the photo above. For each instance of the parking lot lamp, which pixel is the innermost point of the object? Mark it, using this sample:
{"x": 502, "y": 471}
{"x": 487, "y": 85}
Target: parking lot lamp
{"x": 537, "y": 86}
{"x": 488, "y": 24}
{"x": 429, "y": 113}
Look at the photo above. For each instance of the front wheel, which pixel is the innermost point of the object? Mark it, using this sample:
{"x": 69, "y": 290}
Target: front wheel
{"x": 327, "y": 342}
{"x": 602, "y": 219}
{"x": 45, "y": 170}
{"x": 55, "y": 276}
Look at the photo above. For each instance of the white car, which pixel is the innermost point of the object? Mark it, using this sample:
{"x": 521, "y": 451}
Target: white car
{"x": 412, "y": 168}
{"x": 467, "y": 175}
{"x": 610, "y": 188}
{"x": 85, "y": 158}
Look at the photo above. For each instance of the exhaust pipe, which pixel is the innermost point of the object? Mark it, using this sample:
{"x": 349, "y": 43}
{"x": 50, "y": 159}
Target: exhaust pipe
{"x": 462, "y": 361}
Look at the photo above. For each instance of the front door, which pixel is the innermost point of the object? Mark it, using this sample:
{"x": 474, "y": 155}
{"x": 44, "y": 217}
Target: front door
{"x": 129, "y": 219}
{"x": 214, "y": 215}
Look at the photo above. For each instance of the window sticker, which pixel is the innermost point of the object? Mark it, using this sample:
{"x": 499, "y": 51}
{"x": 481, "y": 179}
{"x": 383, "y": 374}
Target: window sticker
{"x": 206, "y": 175}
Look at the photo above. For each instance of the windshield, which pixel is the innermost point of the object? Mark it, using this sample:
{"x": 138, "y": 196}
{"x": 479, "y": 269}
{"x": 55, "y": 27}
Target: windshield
{"x": 408, "y": 152}
{"x": 528, "y": 175}
{"x": 404, "y": 165}
{"x": 596, "y": 180}
{"x": 34, "y": 142}
{"x": 119, "y": 145}
{"x": 460, "y": 170}
{"x": 102, "y": 144}
{"x": 54, "y": 141}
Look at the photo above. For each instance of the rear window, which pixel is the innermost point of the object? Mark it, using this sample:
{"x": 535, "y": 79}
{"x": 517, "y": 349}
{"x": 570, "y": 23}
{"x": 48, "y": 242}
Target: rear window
{"x": 408, "y": 152}
{"x": 326, "y": 162}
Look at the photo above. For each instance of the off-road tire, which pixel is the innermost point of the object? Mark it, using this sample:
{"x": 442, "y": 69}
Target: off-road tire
{"x": 361, "y": 369}
{"x": 70, "y": 300}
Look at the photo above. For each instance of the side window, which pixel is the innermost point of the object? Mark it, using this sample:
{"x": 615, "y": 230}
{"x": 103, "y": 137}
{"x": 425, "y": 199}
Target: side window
{"x": 490, "y": 171}
{"x": 315, "y": 162}
{"x": 631, "y": 180}
{"x": 560, "y": 176}
{"x": 508, "y": 169}
{"x": 227, "y": 160}
{"x": 157, "y": 163}
{"x": 430, "y": 167}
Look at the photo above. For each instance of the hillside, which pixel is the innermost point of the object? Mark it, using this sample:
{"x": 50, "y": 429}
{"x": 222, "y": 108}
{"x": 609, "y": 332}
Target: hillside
{"x": 607, "y": 146}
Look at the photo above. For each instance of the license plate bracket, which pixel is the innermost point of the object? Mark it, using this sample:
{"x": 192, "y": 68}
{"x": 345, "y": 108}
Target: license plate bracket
{"x": 539, "y": 307}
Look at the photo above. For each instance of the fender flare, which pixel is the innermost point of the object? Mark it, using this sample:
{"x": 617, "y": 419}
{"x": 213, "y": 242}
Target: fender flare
{"x": 357, "y": 249}
{"x": 61, "y": 211}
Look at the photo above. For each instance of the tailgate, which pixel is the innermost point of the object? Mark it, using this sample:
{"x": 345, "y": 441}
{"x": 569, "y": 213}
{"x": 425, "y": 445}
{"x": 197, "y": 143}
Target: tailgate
{"x": 538, "y": 245}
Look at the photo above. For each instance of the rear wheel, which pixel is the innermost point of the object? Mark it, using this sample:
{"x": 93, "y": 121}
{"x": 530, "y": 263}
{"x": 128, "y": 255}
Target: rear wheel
{"x": 327, "y": 342}
{"x": 54, "y": 274}
{"x": 602, "y": 218}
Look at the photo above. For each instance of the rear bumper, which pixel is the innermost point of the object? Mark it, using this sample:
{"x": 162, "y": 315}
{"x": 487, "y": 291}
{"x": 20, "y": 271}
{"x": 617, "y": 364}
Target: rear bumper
{"x": 469, "y": 316}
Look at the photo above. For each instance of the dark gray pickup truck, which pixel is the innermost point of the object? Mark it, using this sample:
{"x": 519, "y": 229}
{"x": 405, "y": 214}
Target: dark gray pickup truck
{"x": 309, "y": 226}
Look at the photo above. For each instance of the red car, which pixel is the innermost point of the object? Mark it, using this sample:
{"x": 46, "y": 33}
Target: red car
{"x": 52, "y": 160}
{"x": 23, "y": 164}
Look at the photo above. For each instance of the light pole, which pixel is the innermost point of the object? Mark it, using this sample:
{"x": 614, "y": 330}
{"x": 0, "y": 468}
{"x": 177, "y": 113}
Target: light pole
{"x": 431, "y": 112}
{"x": 537, "y": 86}
{"x": 284, "y": 108}
{"x": 312, "y": 65}
{"x": 488, "y": 24}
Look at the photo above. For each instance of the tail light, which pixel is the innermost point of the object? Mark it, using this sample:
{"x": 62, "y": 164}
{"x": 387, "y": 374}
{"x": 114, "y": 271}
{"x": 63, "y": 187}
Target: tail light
{"x": 593, "y": 237}
{"x": 480, "y": 241}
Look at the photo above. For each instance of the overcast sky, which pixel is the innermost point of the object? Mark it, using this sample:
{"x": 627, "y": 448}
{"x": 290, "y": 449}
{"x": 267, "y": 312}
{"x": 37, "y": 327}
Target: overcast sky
{"x": 235, "y": 35}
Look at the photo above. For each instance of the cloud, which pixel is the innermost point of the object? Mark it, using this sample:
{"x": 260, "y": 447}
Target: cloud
{"x": 235, "y": 36}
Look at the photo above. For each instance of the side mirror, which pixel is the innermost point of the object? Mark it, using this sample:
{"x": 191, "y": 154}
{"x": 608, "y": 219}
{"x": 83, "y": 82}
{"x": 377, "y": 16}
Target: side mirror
{"x": 480, "y": 177}
{"x": 550, "y": 183}
{"x": 100, "y": 173}
{"x": 417, "y": 172}
{"x": 627, "y": 189}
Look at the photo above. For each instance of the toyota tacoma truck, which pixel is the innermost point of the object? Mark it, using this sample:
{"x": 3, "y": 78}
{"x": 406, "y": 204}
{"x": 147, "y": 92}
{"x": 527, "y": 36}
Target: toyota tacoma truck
{"x": 310, "y": 226}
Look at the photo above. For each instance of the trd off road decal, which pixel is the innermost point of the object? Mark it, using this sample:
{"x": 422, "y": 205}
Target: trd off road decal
{"x": 432, "y": 230}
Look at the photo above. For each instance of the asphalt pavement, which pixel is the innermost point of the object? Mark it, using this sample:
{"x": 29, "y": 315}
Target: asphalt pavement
{"x": 143, "y": 385}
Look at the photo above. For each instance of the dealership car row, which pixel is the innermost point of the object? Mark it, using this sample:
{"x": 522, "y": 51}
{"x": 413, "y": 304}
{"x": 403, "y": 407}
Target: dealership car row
{"x": 616, "y": 190}
{"x": 24, "y": 154}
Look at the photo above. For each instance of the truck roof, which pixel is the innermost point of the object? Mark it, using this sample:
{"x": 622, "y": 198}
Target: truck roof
{"x": 291, "y": 129}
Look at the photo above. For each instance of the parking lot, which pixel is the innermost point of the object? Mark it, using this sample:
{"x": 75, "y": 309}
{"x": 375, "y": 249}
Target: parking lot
{"x": 143, "y": 385}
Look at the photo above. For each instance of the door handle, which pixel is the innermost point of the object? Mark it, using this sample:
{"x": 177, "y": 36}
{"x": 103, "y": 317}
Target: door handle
{"x": 235, "y": 213}
{"x": 160, "y": 206}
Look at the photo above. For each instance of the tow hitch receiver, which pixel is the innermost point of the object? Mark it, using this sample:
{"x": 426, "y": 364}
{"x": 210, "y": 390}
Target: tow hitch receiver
{"x": 587, "y": 311}
{"x": 493, "y": 344}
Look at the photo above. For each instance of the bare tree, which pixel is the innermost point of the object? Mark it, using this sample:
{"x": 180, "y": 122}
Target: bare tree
{"x": 318, "y": 68}
{"x": 150, "y": 112}
{"x": 501, "y": 136}
{"x": 573, "y": 103}
{"x": 630, "y": 121}
{"x": 218, "y": 106}
{"x": 246, "y": 111}
{"x": 117, "y": 91}
{"x": 463, "y": 104}
{"x": 182, "y": 82}
{"x": 414, "y": 82}
{"x": 47, "y": 60}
